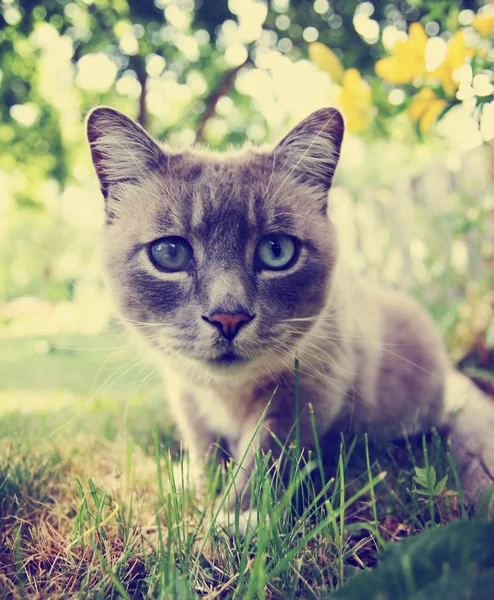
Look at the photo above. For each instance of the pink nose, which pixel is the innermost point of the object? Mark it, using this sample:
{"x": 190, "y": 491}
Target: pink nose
{"x": 229, "y": 324}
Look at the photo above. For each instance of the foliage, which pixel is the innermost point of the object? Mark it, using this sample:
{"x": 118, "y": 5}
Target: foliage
{"x": 222, "y": 72}
{"x": 426, "y": 479}
{"x": 456, "y": 562}
{"x": 434, "y": 73}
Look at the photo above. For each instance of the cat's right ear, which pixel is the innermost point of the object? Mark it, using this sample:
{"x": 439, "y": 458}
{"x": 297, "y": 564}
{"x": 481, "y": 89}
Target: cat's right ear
{"x": 120, "y": 148}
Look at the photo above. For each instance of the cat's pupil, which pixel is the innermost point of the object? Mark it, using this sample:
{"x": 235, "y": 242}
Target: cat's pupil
{"x": 276, "y": 248}
{"x": 173, "y": 250}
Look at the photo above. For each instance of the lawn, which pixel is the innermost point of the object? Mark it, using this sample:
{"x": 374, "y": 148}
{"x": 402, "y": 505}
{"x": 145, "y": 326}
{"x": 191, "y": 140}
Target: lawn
{"x": 95, "y": 500}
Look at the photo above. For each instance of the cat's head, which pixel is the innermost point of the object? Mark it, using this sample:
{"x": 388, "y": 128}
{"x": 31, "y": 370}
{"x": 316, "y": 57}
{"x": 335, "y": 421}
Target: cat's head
{"x": 219, "y": 261}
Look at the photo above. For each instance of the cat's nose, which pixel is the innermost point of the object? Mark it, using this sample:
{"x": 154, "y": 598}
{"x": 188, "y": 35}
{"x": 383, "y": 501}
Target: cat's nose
{"x": 229, "y": 324}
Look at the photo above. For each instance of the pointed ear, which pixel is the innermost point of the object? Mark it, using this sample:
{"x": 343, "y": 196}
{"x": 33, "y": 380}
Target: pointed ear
{"x": 311, "y": 150}
{"x": 120, "y": 148}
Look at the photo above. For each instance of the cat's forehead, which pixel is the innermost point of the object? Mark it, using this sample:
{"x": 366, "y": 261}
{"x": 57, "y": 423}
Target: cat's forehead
{"x": 207, "y": 193}
{"x": 220, "y": 177}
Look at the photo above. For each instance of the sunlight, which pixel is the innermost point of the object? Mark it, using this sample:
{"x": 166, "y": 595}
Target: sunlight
{"x": 487, "y": 125}
{"x": 95, "y": 72}
{"x": 391, "y": 35}
{"x": 366, "y": 27}
{"x": 435, "y": 53}
{"x": 25, "y": 114}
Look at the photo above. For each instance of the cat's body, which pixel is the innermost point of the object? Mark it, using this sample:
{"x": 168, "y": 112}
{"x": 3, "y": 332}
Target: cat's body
{"x": 372, "y": 362}
{"x": 226, "y": 266}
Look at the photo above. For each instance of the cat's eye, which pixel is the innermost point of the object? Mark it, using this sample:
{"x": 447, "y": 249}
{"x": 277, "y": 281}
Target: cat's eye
{"x": 277, "y": 251}
{"x": 171, "y": 254}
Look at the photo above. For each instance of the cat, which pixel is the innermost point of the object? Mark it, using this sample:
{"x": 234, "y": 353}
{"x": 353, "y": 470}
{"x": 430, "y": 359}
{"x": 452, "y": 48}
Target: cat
{"x": 225, "y": 265}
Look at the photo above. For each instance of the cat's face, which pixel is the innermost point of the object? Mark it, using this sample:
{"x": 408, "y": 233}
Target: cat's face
{"x": 210, "y": 257}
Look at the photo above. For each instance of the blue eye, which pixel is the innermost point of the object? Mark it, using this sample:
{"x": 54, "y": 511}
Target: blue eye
{"x": 276, "y": 251}
{"x": 171, "y": 254}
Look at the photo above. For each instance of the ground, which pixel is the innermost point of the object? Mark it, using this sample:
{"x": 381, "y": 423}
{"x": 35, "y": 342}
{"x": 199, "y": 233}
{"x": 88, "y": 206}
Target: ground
{"x": 92, "y": 503}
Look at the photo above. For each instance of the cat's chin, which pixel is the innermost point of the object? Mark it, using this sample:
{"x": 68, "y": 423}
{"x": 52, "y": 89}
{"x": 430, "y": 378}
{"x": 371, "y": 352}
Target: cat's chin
{"x": 227, "y": 365}
{"x": 237, "y": 369}
{"x": 227, "y": 359}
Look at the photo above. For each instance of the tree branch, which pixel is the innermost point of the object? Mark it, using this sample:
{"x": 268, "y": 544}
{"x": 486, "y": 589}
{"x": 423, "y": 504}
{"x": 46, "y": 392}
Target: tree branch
{"x": 137, "y": 63}
{"x": 212, "y": 100}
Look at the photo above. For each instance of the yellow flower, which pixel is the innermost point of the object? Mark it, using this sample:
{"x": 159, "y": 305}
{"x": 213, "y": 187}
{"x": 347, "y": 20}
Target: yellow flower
{"x": 355, "y": 95}
{"x": 484, "y": 22}
{"x": 326, "y": 60}
{"x": 355, "y": 100}
{"x": 425, "y": 107}
{"x": 456, "y": 55}
{"x": 408, "y": 58}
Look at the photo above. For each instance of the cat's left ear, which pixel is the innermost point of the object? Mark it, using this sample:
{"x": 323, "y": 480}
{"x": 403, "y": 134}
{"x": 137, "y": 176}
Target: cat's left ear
{"x": 311, "y": 150}
{"x": 120, "y": 148}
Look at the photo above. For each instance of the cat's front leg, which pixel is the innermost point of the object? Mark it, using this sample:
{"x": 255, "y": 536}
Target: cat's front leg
{"x": 470, "y": 419}
{"x": 239, "y": 507}
{"x": 201, "y": 443}
{"x": 269, "y": 439}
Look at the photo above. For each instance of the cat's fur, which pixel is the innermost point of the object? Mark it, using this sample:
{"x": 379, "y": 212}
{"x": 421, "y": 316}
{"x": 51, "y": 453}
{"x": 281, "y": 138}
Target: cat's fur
{"x": 370, "y": 358}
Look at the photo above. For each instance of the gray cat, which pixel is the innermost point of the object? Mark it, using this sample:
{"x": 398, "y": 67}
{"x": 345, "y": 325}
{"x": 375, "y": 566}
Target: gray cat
{"x": 226, "y": 267}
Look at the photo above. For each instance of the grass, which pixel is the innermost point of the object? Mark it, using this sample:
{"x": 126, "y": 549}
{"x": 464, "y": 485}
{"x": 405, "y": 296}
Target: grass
{"x": 95, "y": 500}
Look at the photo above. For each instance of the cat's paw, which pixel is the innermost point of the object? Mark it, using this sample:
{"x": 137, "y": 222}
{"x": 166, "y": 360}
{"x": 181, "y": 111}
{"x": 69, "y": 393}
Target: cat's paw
{"x": 474, "y": 457}
{"x": 477, "y": 479}
{"x": 189, "y": 478}
{"x": 237, "y": 522}
{"x": 471, "y": 424}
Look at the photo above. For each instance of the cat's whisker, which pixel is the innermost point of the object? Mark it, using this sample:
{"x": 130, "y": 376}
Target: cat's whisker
{"x": 116, "y": 376}
{"x": 381, "y": 345}
{"x": 92, "y": 350}
{"x": 369, "y": 342}
{"x": 296, "y": 355}
{"x": 331, "y": 337}
{"x": 317, "y": 358}
{"x": 105, "y": 362}
{"x": 94, "y": 394}
{"x": 152, "y": 392}
{"x": 132, "y": 393}
{"x": 313, "y": 371}
{"x": 329, "y": 356}
{"x": 348, "y": 374}
{"x": 145, "y": 323}
{"x": 329, "y": 317}
{"x": 274, "y": 369}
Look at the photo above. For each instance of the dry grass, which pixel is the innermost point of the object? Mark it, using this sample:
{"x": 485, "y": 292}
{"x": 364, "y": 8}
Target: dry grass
{"x": 88, "y": 516}
{"x": 98, "y": 509}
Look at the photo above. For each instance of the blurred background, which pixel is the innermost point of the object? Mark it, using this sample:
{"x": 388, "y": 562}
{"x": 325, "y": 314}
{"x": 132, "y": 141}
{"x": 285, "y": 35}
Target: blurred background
{"x": 414, "y": 191}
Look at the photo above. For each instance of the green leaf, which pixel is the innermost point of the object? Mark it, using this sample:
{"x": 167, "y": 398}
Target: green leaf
{"x": 440, "y": 486}
{"x": 455, "y": 562}
{"x": 421, "y": 476}
{"x": 431, "y": 482}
